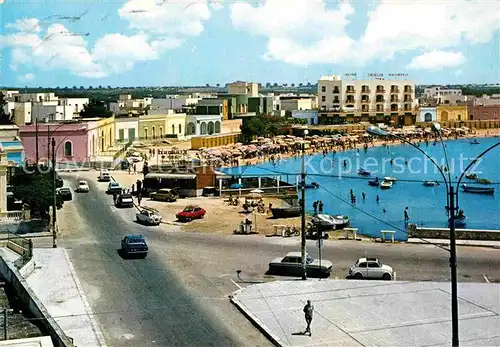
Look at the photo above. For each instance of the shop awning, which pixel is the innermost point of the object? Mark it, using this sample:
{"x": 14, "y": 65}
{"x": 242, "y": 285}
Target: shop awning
{"x": 172, "y": 176}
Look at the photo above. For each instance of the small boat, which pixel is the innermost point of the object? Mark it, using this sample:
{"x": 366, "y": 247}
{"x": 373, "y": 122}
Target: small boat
{"x": 390, "y": 179}
{"x": 474, "y": 142}
{"x": 312, "y": 185}
{"x": 374, "y": 183}
{"x": 471, "y": 176}
{"x": 364, "y": 172}
{"x": 386, "y": 185}
{"x": 483, "y": 181}
{"x": 326, "y": 221}
{"x": 478, "y": 190}
{"x": 431, "y": 183}
{"x": 285, "y": 212}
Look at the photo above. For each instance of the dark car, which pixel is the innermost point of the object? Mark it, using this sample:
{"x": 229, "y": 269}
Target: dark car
{"x": 59, "y": 181}
{"x": 65, "y": 194}
{"x": 114, "y": 187}
{"x": 125, "y": 200}
{"x": 134, "y": 245}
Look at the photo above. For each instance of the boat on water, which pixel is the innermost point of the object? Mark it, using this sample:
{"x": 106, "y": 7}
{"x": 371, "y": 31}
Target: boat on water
{"x": 386, "y": 185}
{"x": 364, "y": 172}
{"x": 374, "y": 182}
{"x": 326, "y": 221}
{"x": 390, "y": 179}
{"x": 472, "y": 176}
{"x": 478, "y": 190}
{"x": 285, "y": 212}
{"x": 312, "y": 185}
{"x": 431, "y": 183}
{"x": 483, "y": 181}
{"x": 474, "y": 142}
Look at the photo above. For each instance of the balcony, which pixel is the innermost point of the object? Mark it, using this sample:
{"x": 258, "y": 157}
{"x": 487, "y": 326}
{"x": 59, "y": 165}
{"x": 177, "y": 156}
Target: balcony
{"x": 336, "y": 91}
{"x": 350, "y": 91}
{"x": 365, "y": 90}
{"x": 408, "y": 90}
{"x": 395, "y": 99}
{"x": 380, "y": 91}
{"x": 336, "y": 101}
{"x": 365, "y": 101}
{"x": 379, "y": 100}
{"x": 394, "y": 108}
{"x": 395, "y": 90}
{"x": 408, "y": 100}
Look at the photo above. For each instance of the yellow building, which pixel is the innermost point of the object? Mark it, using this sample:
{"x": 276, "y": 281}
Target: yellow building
{"x": 152, "y": 127}
{"x": 447, "y": 113}
{"x": 176, "y": 123}
{"x": 214, "y": 140}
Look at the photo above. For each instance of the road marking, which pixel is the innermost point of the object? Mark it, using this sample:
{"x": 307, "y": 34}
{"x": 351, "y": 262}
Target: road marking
{"x": 486, "y": 279}
{"x": 236, "y": 284}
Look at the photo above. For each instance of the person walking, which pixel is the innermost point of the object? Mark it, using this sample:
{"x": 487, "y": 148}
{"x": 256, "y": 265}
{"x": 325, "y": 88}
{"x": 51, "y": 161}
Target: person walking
{"x": 378, "y": 199}
{"x": 363, "y": 195}
{"x": 407, "y": 217}
{"x": 115, "y": 196}
{"x": 315, "y": 207}
{"x": 135, "y": 169}
{"x": 139, "y": 198}
{"x": 308, "y": 312}
{"x": 320, "y": 207}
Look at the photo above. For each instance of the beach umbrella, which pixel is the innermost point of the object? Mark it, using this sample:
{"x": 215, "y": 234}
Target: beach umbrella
{"x": 257, "y": 191}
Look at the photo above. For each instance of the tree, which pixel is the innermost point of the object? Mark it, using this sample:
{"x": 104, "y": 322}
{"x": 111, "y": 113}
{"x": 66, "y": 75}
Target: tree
{"x": 81, "y": 87}
{"x": 301, "y": 84}
{"x": 99, "y": 87}
{"x": 275, "y": 84}
{"x": 95, "y": 108}
{"x": 5, "y": 118}
{"x": 218, "y": 85}
{"x": 109, "y": 87}
{"x": 90, "y": 87}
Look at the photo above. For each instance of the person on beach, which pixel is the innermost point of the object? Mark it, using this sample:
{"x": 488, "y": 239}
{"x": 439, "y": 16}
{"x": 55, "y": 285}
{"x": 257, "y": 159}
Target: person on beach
{"x": 363, "y": 195}
{"x": 308, "y": 312}
{"x": 407, "y": 217}
{"x": 320, "y": 206}
{"x": 378, "y": 199}
{"x": 315, "y": 207}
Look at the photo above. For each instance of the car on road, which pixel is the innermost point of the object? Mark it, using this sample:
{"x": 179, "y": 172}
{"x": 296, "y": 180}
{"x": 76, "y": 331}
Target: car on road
{"x": 104, "y": 176}
{"x": 291, "y": 264}
{"x": 191, "y": 212}
{"x": 82, "y": 187}
{"x": 114, "y": 187}
{"x": 64, "y": 193}
{"x": 164, "y": 194}
{"x": 148, "y": 217}
{"x": 125, "y": 200}
{"x": 370, "y": 268}
{"x": 59, "y": 181}
{"x": 134, "y": 245}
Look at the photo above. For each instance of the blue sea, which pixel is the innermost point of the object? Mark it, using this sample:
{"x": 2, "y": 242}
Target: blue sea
{"x": 426, "y": 205}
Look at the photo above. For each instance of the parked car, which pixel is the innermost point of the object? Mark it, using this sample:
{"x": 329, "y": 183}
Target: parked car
{"x": 65, "y": 194}
{"x": 191, "y": 212}
{"x": 125, "y": 200}
{"x": 164, "y": 194}
{"x": 104, "y": 176}
{"x": 148, "y": 217}
{"x": 371, "y": 268}
{"x": 114, "y": 187}
{"x": 59, "y": 181}
{"x": 291, "y": 264}
{"x": 134, "y": 159}
{"x": 82, "y": 187}
{"x": 134, "y": 245}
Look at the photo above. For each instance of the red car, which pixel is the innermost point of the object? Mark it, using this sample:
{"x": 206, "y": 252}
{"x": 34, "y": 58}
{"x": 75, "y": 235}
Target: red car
{"x": 191, "y": 212}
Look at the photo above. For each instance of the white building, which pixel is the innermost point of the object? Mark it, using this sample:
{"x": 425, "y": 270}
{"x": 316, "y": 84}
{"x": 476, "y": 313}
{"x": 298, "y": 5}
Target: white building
{"x": 239, "y": 87}
{"x": 77, "y": 104}
{"x": 127, "y": 129}
{"x": 197, "y": 125}
{"x": 127, "y": 105}
{"x": 52, "y": 113}
{"x": 9, "y": 94}
{"x": 174, "y": 102}
{"x": 36, "y": 97}
{"x": 296, "y": 103}
{"x": 486, "y": 100}
{"x": 427, "y": 114}
{"x": 21, "y": 112}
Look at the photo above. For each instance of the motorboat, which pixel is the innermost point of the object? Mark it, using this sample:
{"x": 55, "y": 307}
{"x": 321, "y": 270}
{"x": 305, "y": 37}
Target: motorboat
{"x": 390, "y": 179}
{"x": 312, "y": 185}
{"x": 478, "y": 190}
{"x": 364, "y": 172}
{"x": 326, "y": 221}
{"x": 386, "y": 185}
{"x": 431, "y": 183}
{"x": 285, "y": 212}
{"x": 374, "y": 182}
{"x": 474, "y": 142}
{"x": 483, "y": 181}
{"x": 472, "y": 176}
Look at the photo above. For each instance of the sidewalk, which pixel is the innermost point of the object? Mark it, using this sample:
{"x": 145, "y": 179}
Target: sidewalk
{"x": 57, "y": 287}
{"x": 446, "y": 242}
{"x": 371, "y": 313}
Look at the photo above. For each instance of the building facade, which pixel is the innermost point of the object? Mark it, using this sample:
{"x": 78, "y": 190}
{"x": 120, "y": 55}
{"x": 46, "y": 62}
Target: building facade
{"x": 484, "y": 112}
{"x": 372, "y": 100}
{"x": 310, "y": 115}
{"x": 240, "y": 87}
{"x": 11, "y": 146}
{"x": 214, "y": 140}
{"x": 427, "y": 114}
{"x": 127, "y": 129}
{"x": 296, "y": 103}
{"x": 152, "y": 127}
{"x": 199, "y": 125}
{"x": 447, "y": 113}
{"x": 176, "y": 125}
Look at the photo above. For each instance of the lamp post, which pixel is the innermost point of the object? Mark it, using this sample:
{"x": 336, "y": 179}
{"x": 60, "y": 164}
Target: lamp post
{"x": 451, "y": 207}
{"x": 303, "y": 209}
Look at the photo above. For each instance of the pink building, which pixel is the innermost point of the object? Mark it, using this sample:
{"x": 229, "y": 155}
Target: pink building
{"x": 71, "y": 142}
{"x": 484, "y": 112}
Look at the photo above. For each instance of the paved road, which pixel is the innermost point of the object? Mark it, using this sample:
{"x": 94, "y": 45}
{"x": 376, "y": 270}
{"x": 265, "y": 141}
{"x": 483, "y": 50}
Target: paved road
{"x": 178, "y": 295}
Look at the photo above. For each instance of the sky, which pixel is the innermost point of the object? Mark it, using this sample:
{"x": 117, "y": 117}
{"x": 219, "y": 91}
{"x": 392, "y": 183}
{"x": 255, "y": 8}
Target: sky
{"x": 184, "y": 42}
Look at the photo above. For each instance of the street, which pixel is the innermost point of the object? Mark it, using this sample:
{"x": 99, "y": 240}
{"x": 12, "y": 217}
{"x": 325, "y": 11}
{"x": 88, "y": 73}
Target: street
{"x": 178, "y": 294}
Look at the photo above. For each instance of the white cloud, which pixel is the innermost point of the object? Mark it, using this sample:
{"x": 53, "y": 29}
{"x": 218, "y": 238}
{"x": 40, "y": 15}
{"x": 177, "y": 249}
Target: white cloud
{"x": 305, "y": 32}
{"x": 437, "y": 60}
{"x": 25, "y": 25}
{"x": 26, "y": 77}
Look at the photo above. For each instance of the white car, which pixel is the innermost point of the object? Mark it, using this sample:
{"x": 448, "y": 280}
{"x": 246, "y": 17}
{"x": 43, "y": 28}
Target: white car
{"x": 148, "y": 217}
{"x": 83, "y": 187}
{"x": 371, "y": 268}
{"x": 104, "y": 176}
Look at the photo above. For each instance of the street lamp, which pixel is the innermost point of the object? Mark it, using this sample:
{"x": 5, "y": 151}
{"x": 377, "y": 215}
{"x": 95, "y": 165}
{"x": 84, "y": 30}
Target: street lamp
{"x": 451, "y": 208}
{"x": 303, "y": 209}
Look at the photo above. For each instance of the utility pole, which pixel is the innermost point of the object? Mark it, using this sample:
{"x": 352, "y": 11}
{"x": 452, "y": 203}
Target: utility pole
{"x": 303, "y": 210}
{"x": 48, "y": 144}
{"x": 453, "y": 265}
{"x": 6, "y": 324}
{"x": 54, "y": 202}
{"x": 36, "y": 140}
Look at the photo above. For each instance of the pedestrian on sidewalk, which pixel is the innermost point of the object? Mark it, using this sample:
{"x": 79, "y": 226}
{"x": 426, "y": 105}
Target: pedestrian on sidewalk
{"x": 320, "y": 207}
{"x": 135, "y": 169}
{"x": 315, "y": 207}
{"x": 407, "y": 217}
{"x": 308, "y": 312}
{"x": 139, "y": 198}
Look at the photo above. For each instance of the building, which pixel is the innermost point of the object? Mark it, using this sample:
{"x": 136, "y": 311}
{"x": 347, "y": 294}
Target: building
{"x": 176, "y": 125}
{"x": 262, "y": 104}
{"x": 127, "y": 129}
{"x": 310, "y": 115}
{"x": 427, "y": 114}
{"x": 175, "y": 102}
{"x": 485, "y": 100}
{"x": 52, "y": 113}
{"x": 209, "y": 141}
{"x": 11, "y": 146}
{"x": 484, "y": 112}
{"x": 152, "y": 127}
{"x": 292, "y": 103}
{"x": 446, "y": 113}
{"x": 75, "y": 104}
{"x": 198, "y": 125}
{"x": 128, "y": 106}
{"x": 214, "y": 106}
{"x": 239, "y": 87}
{"x": 36, "y": 97}
{"x": 71, "y": 142}
{"x": 371, "y": 100}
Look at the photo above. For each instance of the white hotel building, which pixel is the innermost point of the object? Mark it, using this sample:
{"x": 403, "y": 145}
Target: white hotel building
{"x": 373, "y": 100}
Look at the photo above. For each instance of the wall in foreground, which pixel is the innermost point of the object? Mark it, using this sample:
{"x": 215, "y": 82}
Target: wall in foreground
{"x": 461, "y": 234}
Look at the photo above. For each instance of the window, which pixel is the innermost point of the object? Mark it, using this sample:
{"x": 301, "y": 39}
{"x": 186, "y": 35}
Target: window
{"x": 323, "y": 98}
{"x": 68, "y": 149}
{"x": 428, "y": 117}
{"x": 323, "y": 89}
{"x": 362, "y": 265}
{"x": 121, "y": 134}
{"x": 173, "y": 129}
{"x": 373, "y": 264}
{"x": 180, "y": 128}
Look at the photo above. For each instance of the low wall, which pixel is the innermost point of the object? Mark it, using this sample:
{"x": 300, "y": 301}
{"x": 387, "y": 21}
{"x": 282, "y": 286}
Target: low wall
{"x": 461, "y": 234}
{"x": 30, "y": 303}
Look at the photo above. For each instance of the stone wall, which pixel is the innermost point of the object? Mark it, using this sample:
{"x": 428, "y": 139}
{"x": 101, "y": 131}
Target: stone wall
{"x": 461, "y": 234}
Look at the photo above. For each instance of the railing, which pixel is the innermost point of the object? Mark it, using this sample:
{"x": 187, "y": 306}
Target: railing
{"x": 380, "y": 91}
{"x": 365, "y": 91}
{"x": 394, "y": 90}
{"x": 21, "y": 245}
{"x": 15, "y": 215}
{"x": 122, "y": 150}
{"x": 365, "y": 101}
{"x": 350, "y": 91}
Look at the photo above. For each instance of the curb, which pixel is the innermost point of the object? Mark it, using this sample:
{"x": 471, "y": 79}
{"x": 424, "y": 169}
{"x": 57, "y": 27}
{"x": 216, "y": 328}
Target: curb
{"x": 90, "y": 313}
{"x": 458, "y": 245}
{"x": 273, "y": 338}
